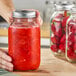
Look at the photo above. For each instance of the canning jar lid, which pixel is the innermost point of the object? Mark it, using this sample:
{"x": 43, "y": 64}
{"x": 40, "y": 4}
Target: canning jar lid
{"x": 65, "y": 5}
{"x": 73, "y": 9}
{"x": 50, "y": 2}
{"x": 24, "y": 14}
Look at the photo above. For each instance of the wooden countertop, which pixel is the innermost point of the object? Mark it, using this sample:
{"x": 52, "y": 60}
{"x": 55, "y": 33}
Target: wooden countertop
{"x": 50, "y": 66}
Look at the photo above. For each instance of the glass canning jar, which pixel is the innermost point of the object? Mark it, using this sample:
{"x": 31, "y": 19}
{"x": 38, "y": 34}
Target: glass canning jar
{"x": 58, "y": 27}
{"x": 71, "y": 37}
{"x": 24, "y": 40}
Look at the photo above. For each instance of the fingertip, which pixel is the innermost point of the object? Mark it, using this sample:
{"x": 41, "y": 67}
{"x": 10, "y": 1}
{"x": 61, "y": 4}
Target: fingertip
{"x": 9, "y": 59}
{"x": 10, "y": 68}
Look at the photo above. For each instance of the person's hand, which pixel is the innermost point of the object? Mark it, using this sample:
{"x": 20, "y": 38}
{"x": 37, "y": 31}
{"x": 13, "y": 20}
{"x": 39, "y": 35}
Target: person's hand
{"x": 6, "y": 8}
{"x": 5, "y": 61}
{"x": 38, "y": 17}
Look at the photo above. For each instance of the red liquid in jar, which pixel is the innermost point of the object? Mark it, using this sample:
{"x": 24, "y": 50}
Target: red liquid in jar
{"x": 24, "y": 47}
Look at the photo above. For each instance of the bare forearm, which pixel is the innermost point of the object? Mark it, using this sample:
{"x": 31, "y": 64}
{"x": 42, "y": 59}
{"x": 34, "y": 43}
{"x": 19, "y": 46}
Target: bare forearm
{"x": 6, "y": 7}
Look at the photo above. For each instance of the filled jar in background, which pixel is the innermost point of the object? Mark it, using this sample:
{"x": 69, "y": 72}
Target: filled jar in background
{"x": 71, "y": 37}
{"x": 58, "y": 27}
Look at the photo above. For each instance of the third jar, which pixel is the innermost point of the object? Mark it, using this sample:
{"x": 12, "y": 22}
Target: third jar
{"x": 71, "y": 37}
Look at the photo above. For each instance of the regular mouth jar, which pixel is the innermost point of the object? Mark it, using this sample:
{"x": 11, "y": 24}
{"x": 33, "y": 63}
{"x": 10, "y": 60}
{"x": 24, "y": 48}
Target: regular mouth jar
{"x": 24, "y": 40}
{"x": 58, "y": 27}
{"x": 71, "y": 37}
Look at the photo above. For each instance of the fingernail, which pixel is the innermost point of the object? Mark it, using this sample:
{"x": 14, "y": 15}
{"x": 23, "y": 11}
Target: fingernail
{"x": 11, "y": 65}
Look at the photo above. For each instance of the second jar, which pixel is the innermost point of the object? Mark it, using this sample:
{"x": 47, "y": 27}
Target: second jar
{"x": 58, "y": 27}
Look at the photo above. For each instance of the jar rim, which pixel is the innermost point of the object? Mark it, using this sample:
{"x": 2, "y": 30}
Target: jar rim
{"x": 64, "y": 5}
{"x": 24, "y": 14}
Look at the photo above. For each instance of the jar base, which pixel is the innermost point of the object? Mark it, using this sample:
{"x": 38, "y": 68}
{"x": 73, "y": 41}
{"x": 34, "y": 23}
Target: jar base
{"x": 24, "y": 70}
{"x": 71, "y": 60}
{"x": 59, "y": 54}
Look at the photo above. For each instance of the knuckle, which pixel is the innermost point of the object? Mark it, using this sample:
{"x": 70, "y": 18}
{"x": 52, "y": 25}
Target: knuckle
{"x": 4, "y": 62}
{"x": 3, "y": 55}
{"x": 2, "y": 66}
{"x": 0, "y": 53}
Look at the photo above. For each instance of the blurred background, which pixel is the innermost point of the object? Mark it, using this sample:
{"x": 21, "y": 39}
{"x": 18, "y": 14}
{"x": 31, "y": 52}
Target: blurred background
{"x": 46, "y": 10}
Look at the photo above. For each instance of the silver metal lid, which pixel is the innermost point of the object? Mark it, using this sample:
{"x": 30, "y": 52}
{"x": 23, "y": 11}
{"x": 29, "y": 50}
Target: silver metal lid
{"x": 65, "y": 5}
{"x": 50, "y": 2}
{"x": 24, "y": 14}
{"x": 73, "y": 9}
